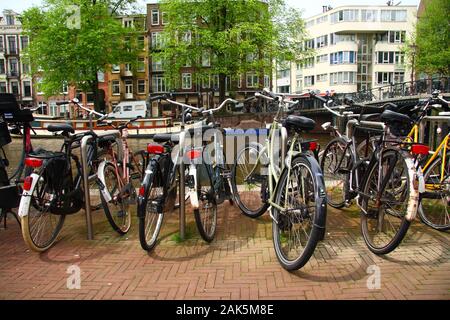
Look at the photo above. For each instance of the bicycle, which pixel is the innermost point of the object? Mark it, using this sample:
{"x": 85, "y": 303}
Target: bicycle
{"x": 386, "y": 186}
{"x": 284, "y": 176}
{"x": 158, "y": 190}
{"x": 10, "y": 185}
{"x": 52, "y": 191}
{"x": 434, "y": 205}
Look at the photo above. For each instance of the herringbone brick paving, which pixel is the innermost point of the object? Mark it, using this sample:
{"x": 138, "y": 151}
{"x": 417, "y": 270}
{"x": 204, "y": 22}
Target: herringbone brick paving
{"x": 239, "y": 264}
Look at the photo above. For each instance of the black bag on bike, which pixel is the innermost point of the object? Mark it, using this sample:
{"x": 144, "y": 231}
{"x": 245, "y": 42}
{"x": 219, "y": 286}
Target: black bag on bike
{"x": 5, "y": 136}
{"x": 58, "y": 175}
{"x": 10, "y": 110}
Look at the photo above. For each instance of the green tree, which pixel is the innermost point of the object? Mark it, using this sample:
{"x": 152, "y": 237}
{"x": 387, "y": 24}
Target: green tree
{"x": 432, "y": 39}
{"x": 228, "y": 38}
{"x": 67, "y": 46}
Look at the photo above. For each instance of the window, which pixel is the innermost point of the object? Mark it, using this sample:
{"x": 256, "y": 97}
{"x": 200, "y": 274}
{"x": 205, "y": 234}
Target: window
{"x": 345, "y": 77}
{"x": 115, "y": 87}
{"x": 399, "y": 58}
{"x": 187, "y": 37}
{"x": 128, "y": 23}
{"x": 157, "y": 65}
{"x": 322, "y": 77}
{"x": 164, "y": 18}
{"x": 322, "y": 41}
{"x": 309, "y": 23}
{"x": 322, "y": 58}
{"x": 399, "y": 77}
{"x": 322, "y": 19}
{"x": 65, "y": 88}
{"x": 115, "y": 68}
{"x": 12, "y": 47}
{"x": 2, "y": 87}
{"x": 15, "y": 87}
{"x": 141, "y": 86}
{"x": 266, "y": 81}
{"x": 23, "y": 42}
{"x": 206, "y": 82}
{"x": 186, "y": 81}
{"x": 141, "y": 65}
{"x": 128, "y": 67}
{"x": 393, "y": 15}
{"x": 1, "y": 44}
{"x": 309, "y": 63}
{"x": 2, "y": 66}
{"x": 397, "y": 36}
{"x": 25, "y": 68}
{"x": 309, "y": 81}
{"x": 10, "y": 20}
{"x": 337, "y": 38}
{"x": 155, "y": 17}
{"x": 309, "y": 44}
{"x": 369, "y": 15}
{"x": 128, "y": 86}
{"x": 344, "y": 15}
{"x": 127, "y": 108}
{"x": 206, "y": 59}
{"x": 27, "y": 88}
{"x": 286, "y": 73}
{"x": 13, "y": 67}
{"x": 141, "y": 42}
{"x": 156, "y": 40}
{"x": 158, "y": 83}
{"x": 383, "y": 77}
{"x": 139, "y": 107}
{"x": 252, "y": 80}
{"x": 342, "y": 57}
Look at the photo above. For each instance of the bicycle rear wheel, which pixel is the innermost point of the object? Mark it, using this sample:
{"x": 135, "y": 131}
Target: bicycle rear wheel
{"x": 151, "y": 210}
{"x": 386, "y": 201}
{"x": 335, "y": 164}
{"x": 434, "y": 205}
{"x": 249, "y": 182}
{"x": 40, "y": 228}
{"x": 117, "y": 210}
{"x": 206, "y": 214}
{"x": 296, "y": 229}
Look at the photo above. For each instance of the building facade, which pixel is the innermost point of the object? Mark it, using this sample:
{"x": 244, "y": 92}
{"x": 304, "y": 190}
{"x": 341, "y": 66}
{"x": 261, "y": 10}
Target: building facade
{"x": 193, "y": 91}
{"x": 125, "y": 81}
{"x": 14, "y": 69}
{"x": 356, "y": 48}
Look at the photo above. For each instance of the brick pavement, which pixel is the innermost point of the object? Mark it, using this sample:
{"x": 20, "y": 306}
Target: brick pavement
{"x": 239, "y": 264}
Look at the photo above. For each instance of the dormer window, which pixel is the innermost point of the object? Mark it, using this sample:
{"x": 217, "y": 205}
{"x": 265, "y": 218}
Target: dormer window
{"x": 10, "y": 20}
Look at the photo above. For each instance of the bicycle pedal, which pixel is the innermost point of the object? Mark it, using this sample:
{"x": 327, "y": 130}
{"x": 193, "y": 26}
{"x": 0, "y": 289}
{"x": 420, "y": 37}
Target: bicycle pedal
{"x": 348, "y": 204}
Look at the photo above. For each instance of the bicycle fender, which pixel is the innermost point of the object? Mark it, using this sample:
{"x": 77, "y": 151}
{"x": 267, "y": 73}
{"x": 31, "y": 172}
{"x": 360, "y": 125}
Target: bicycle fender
{"x": 321, "y": 195}
{"x": 415, "y": 180}
{"x": 193, "y": 191}
{"x": 149, "y": 173}
{"x": 26, "y": 197}
{"x": 101, "y": 176}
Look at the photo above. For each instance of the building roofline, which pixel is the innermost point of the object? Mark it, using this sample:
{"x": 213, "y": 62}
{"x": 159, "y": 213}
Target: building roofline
{"x": 358, "y": 6}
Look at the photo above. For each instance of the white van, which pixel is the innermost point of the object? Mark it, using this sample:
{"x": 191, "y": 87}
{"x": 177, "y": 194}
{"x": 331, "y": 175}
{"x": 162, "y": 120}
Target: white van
{"x": 129, "y": 110}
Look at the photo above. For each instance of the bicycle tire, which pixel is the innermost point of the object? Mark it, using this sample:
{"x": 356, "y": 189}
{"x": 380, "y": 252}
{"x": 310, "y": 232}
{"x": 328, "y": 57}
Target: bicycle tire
{"x": 245, "y": 208}
{"x": 120, "y": 199}
{"x": 37, "y": 203}
{"x": 150, "y": 183}
{"x": 425, "y": 214}
{"x": 207, "y": 200}
{"x": 404, "y": 224}
{"x": 331, "y": 150}
{"x": 284, "y": 223}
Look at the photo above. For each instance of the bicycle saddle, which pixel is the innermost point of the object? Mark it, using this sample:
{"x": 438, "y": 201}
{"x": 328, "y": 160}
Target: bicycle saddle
{"x": 389, "y": 116}
{"x": 60, "y": 127}
{"x": 299, "y": 123}
{"x": 165, "y": 137}
{"x": 44, "y": 154}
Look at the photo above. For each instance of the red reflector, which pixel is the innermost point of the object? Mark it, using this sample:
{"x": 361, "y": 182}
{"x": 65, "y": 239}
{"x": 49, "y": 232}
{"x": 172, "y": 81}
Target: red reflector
{"x": 420, "y": 149}
{"x": 27, "y": 183}
{"x": 142, "y": 191}
{"x": 155, "y": 148}
{"x": 313, "y": 146}
{"x": 193, "y": 154}
{"x": 33, "y": 162}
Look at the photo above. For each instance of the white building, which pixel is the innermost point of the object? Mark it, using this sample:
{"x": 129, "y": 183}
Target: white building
{"x": 356, "y": 48}
{"x": 14, "y": 72}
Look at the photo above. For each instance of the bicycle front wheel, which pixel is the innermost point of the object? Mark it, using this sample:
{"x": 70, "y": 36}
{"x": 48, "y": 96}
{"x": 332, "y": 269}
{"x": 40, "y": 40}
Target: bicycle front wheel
{"x": 434, "y": 206}
{"x": 249, "y": 182}
{"x": 117, "y": 210}
{"x": 386, "y": 199}
{"x": 40, "y": 227}
{"x": 296, "y": 229}
{"x": 206, "y": 214}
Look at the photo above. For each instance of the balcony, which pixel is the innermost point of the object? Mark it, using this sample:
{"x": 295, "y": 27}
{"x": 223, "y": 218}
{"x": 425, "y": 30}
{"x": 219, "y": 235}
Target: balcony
{"x": 126, "y": 74}
{"x": 127, "y": 96}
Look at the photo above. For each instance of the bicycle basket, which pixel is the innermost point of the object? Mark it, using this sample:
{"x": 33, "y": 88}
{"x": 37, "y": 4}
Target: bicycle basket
{"x": 5, "y": 136}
